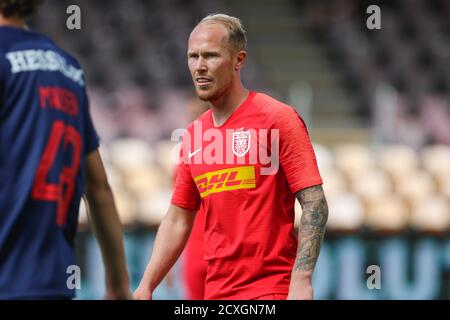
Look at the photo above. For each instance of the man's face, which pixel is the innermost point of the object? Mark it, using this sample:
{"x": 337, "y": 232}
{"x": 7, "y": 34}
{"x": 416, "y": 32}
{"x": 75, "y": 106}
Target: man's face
{"x": 211, "y": 61}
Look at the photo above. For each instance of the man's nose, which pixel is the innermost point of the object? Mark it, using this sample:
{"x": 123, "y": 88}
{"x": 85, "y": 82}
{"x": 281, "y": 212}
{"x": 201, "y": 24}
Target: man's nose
{"x": 201, "y": 64}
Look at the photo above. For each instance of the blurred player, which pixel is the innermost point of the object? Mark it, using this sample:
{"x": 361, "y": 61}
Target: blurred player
{"x": 48, "y": 158}
{"x": 251, "y": 248}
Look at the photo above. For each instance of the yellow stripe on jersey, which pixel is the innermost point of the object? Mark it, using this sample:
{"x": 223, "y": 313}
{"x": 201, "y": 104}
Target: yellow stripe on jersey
{"x": 225, "y": 180}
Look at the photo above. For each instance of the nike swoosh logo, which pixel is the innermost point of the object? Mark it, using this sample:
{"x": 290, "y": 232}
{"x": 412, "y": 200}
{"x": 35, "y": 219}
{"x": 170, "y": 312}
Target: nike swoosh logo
{"x": 191, "y": 154}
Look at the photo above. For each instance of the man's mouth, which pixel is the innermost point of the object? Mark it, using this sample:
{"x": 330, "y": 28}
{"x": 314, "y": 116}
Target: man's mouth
{"x": 202, "y": 81}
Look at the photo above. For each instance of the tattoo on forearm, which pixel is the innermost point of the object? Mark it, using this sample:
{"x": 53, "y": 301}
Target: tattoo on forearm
{"x": 312, "y": 227}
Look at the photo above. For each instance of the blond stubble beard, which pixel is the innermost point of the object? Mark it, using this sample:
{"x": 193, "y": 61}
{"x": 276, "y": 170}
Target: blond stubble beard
{"x": 213, "y": 95}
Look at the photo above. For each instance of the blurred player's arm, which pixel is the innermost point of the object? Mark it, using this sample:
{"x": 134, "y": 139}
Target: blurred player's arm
{"x": 107, "y": 228}
{"x": 173, "y": 234}
{"x": 310, "y": 236}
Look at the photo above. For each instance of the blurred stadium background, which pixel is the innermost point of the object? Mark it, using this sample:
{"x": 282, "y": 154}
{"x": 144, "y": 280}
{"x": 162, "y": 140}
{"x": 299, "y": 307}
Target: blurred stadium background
{"x": 377, "y": 104}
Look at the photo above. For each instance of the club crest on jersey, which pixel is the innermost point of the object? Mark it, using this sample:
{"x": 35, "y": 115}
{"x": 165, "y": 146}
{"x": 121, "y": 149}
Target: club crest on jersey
{"x": 241, "y": 143}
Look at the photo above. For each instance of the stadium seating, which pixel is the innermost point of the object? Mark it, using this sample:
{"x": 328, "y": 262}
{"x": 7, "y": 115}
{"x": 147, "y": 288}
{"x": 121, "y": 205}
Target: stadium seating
{"x": 382, "y": 195}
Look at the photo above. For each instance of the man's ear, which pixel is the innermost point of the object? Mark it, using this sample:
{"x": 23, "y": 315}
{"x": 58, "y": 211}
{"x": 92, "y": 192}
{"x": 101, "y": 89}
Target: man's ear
{"x": 240, "y": 60}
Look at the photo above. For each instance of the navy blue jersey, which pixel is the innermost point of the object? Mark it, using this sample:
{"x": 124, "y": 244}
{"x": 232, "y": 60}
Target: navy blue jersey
{"x": 45, "y": 134}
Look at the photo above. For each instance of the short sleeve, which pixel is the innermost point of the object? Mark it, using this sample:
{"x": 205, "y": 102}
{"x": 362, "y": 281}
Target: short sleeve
{"x": 91, "y": 140}
{"x": 185, "y": 193}
{"x": 297, "y": 158}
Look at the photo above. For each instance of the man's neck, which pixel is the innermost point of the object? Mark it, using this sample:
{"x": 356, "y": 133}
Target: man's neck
{"x": 12, "y": 22}
{"x": 224, "y": 107}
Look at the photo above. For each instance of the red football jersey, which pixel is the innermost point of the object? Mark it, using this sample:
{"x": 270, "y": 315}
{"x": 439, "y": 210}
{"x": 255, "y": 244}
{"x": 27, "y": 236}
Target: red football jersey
{"x": 244, "y": 174}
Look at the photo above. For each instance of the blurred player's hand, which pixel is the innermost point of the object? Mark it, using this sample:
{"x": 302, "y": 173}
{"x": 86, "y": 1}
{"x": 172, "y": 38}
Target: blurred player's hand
{"x": 142, "y": 293}
{"x": 118, "y": 294}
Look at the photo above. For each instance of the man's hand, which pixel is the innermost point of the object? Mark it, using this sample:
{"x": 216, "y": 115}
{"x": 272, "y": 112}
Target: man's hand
{"x": 303, "y": 290}
{"x": 142, "y": 293}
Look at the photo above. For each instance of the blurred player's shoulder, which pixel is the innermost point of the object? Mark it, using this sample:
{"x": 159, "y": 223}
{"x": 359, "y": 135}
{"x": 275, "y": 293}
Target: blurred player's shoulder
{"x": 12, "y": 38}
{"x": 18, "y": 40}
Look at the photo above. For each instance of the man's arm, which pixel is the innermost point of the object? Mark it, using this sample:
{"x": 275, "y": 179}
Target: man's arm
{"x": 310, "y": 236}
{"x": 172, "y": 236}
{"x": 107, "y": 228}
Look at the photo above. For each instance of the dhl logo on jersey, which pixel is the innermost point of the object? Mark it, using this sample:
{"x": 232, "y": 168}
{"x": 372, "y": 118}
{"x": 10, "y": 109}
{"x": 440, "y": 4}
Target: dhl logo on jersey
{"x": 225, "y": 180}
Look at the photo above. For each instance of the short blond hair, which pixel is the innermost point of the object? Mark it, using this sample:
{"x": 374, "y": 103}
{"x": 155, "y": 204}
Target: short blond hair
{"x": 236, "y": 32}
